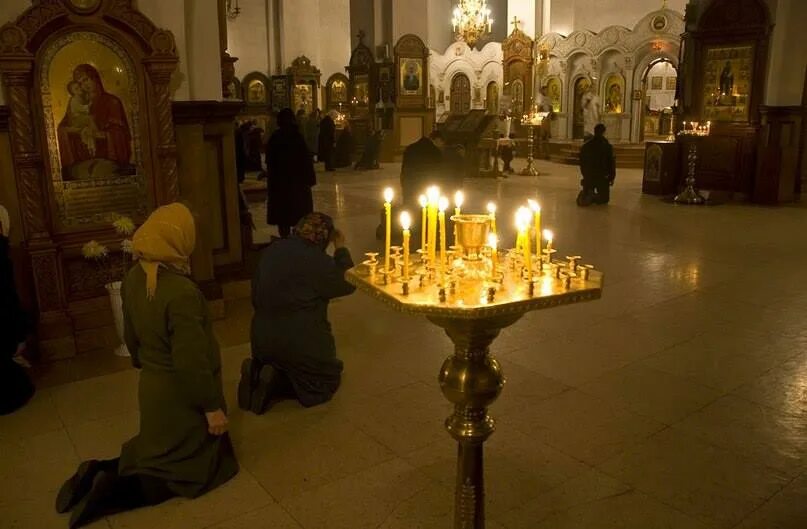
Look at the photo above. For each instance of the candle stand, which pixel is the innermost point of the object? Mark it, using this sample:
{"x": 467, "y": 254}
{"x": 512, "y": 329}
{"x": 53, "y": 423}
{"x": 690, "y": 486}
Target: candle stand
{"x": 476, "y": 297}
{"x": 530, "y": 170}
{"x": 690, "y": 195}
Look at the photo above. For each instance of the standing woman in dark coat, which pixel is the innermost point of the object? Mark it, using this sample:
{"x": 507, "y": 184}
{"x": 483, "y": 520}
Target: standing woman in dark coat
{"x": 343, "y": 156}
{"x": 15, "y": 386}
{"x": 293, "y": 349}
{"x": 291, "y": 175}
{"x": 327, "y": 137}
{"x": 182, "y": 448}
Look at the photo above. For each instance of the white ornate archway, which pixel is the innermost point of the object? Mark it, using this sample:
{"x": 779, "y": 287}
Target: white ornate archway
{"x": 480, "y": 66}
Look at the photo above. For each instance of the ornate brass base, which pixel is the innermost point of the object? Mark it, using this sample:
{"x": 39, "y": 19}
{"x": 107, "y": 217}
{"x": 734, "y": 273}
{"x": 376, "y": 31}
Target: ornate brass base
{"x": 471, "y": 379}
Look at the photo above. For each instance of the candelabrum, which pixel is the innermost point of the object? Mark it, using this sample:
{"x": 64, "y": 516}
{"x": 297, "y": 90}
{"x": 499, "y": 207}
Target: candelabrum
{"x": 696, "y": 128}
{"x": 532, "y": 120}
{"x": 690, "y": 194}
{"x": 474, "y": 294}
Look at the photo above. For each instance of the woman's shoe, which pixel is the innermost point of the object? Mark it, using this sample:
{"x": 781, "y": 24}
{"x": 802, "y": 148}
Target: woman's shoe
{"x": 79, "y": 484}
{"x": 262, "y": 391}
{"x": 92, "y": 506}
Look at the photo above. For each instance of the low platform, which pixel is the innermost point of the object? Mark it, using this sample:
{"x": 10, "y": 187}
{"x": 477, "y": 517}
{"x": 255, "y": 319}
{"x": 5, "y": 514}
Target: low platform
{"x": 628, "y": 155}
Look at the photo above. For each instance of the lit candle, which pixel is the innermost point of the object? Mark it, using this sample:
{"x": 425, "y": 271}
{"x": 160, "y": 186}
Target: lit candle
{"x": 708, "y": 128}
{"x": 549, "y": 236}
{"x": 523, "y": 224}
{"x": 536, "y": 212}
{"x": 423, "y": 226}
{"x": 388, "y": 195}
{"x": 459, "y": 198}
{"x": 442, "y": 206}
{"x": 492, "y": 213}
{"x": 406, "y": 222}
{"x": 493, "y": 243}
{"x": 433, "y": 194}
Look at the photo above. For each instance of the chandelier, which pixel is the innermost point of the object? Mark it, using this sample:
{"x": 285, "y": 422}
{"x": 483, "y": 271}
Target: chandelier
{"x": 471, "y": 20}
{"x": 232, "y": 9}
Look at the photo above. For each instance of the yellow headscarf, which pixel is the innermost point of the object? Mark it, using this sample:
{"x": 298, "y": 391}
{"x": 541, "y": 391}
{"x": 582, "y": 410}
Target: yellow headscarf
{"x": 166, "y": 238}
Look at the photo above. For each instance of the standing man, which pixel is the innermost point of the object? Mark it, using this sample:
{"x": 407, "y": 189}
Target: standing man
{"x": 598, "y": 166}
{"x": 327, "y": 138}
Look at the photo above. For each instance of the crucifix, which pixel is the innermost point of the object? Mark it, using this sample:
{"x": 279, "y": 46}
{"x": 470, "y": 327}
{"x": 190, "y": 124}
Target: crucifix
{"x": 515, "y": 23}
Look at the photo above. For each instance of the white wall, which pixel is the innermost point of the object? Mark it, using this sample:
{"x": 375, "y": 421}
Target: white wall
{"x": 441, "y": 34}
{"x": 596, "y": 15}
{"x": 788, "y": 56}
{"x": 247, "y": 38}
{"x": 525, "y": 11}
{"x": 318, "y": 29}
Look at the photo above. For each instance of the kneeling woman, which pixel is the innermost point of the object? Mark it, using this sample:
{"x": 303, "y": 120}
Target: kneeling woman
{"x": 183, "y": 448}
{"x": 293, "y": 350}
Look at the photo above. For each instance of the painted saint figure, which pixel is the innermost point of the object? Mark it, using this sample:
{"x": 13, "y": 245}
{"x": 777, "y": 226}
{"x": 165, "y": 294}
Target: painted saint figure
{"x": 94, "y": 136}
{"x": 411, "y": 80}
{"x": 727, "y": 80}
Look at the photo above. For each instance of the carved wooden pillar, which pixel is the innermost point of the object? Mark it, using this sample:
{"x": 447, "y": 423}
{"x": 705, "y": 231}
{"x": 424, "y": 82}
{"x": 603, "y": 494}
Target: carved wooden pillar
{"x": 159, "y": 72}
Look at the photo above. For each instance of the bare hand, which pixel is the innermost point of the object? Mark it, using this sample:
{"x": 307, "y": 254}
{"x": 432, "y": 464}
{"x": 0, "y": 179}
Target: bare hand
{"x": 217, "y": 422}
{"x": 338, "y": 239}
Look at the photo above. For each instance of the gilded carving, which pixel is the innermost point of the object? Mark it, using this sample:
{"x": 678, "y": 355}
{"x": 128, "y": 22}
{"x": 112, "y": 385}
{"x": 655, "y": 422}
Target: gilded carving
{"x": 46, "y": 276}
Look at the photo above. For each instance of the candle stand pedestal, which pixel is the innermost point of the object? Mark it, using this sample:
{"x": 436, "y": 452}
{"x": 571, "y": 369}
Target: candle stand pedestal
{"x": 530, "y": 170}
{"x": 690, "y": 195}
{"x": 472, "y": 311}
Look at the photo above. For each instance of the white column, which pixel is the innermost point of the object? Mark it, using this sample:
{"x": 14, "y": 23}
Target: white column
{"x": 410, "y": 16}
{"x": 788, "y": 55}
{"x": 171, "y": 16}
{"x": 204, "y": 55}
{"x": 546, "y": 17}
{"x": 247, "y": 38}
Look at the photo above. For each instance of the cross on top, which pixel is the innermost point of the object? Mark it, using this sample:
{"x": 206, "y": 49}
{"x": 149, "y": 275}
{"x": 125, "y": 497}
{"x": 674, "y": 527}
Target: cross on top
{"x": 515, "y": 23}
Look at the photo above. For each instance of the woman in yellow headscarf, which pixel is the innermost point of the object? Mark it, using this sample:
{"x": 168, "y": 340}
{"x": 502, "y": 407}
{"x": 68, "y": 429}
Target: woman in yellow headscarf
{"x": 183, "y": 448}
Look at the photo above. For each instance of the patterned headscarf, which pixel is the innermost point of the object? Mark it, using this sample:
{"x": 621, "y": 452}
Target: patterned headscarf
{"x": 167, "y": 238}
{"x": 315, "y": 228}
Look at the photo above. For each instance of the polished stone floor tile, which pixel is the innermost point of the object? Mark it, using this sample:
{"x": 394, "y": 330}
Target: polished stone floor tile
{"x": 786, "y": 510}
{"x": 700, "y": 479}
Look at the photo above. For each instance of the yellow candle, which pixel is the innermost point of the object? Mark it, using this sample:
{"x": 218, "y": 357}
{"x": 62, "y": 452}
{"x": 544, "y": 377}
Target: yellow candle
{"x": 388, "y": 195}
{"x": 459, "y": 198}
{"x": 433, "y": 195}
{"x": 423, "y": 226}
{"x": 523, "y": 219}
{"x": 492, "y": 213}
{"x": 536, "y": 212}
{"x": 406, "y": 222}
{"x": 442, "y": 205}
{"x": 493, "y": 243}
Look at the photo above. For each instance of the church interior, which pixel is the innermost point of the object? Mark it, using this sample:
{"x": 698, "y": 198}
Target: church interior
{"x": 663, "y": 385}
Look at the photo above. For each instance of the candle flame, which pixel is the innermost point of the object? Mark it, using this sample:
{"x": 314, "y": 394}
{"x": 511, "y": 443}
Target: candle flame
{"x": 523, "y": 217}
{"x": 389, "y": 194}
{"x": 534, "y": 206}
{"x": 491, "y": 208}
{"x": 406, "y": 220}
{"x": 423, "y": 201}
{"x": 459, "y": 198}
{"x": 442, "y": 204}
{"x": 493, "y": 241}
{"x": 548, "y": 235}
{"x": 433, "y": 194}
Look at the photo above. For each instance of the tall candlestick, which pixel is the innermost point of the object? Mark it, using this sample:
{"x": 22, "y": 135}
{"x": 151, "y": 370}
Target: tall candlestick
{"x": 523, "y": 225}
{"x": 423, "y": 226}
{"x": 388, "y": 195}
{"x": 536, "y": 212}
{"x": 406, "y": 221}
{"x": 549, "y": 236}
{"x": 433, "y": 195}
{"x": 459, "y": 198}
{"x": 492, "y": 213}
{"x": 442, "y": 206}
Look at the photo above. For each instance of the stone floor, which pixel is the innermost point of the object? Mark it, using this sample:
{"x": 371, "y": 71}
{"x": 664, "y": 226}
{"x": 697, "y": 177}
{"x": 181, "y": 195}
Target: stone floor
{"x": 678, "y": 400}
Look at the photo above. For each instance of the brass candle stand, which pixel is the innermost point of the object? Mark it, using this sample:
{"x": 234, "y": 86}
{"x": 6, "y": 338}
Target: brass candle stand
{"x": 690, "y": 195}
{"x": 473, "y": 301}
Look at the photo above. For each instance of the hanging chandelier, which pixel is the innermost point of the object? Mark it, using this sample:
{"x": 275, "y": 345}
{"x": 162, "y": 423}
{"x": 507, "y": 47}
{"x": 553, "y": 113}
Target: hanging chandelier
{"x": 233, "y": 10}
{"x": 471, "y": 20}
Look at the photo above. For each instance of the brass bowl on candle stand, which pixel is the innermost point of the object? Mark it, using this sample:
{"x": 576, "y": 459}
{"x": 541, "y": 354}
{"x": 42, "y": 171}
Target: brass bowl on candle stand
{"x": 472, "y": 234}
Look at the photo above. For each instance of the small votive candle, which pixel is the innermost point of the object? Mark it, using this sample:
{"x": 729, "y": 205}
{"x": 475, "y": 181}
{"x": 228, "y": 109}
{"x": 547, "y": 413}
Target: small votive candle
{"x": 406, "y": 222}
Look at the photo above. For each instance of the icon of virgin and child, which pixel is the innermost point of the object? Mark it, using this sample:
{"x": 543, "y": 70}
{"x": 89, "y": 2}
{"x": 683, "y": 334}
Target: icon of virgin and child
{"x": 94, "y": 136}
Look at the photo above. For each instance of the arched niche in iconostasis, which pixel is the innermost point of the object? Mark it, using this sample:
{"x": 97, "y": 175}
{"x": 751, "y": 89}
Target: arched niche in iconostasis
{"x": 255, "y": 94}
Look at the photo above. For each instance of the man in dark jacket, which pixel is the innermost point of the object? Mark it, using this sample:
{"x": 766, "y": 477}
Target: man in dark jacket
{"x": 327, "y": 138}
{"x": 598, "y": 166}
{"x": 421, "y": 167}
{"x": 293, "y": 348}
{"x": 291, "y": 175}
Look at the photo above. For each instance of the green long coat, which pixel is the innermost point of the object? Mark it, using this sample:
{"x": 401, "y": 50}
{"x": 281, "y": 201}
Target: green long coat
{"x": 171, "y": 341}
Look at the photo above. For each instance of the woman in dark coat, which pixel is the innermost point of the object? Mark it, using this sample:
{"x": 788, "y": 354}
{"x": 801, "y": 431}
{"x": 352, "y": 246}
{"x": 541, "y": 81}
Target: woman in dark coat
{"x": 291, "y": 175}
{"x": 327, "y": 136}
{"x": 182, "y": 448}
{"x": 15, "y": 386}
{"x": 293, "y": 349}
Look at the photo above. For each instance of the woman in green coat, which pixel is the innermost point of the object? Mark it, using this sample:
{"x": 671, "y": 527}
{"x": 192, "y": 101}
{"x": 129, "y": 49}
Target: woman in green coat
{"x": 183, "y": 448}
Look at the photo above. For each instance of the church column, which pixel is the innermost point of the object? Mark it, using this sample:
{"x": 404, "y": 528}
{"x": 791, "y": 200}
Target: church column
{"x": 202, "y": 37}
